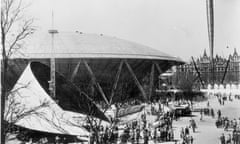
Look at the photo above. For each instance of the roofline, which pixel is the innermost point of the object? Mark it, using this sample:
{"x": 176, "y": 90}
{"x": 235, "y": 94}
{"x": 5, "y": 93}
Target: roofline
{"x": 96, "y": 56}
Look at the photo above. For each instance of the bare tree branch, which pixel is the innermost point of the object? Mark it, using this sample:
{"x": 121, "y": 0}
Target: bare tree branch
{"x": 14, "y": 29}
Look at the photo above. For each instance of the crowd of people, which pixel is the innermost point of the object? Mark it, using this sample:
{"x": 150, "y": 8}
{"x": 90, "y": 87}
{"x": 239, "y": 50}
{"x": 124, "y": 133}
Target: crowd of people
{"x": 231, "y": 126}
{"x": 161, "y": 130}
{"x": 185, "y": 136}
{"x": 227, "y": 124}
{"x": 137, "y": 132}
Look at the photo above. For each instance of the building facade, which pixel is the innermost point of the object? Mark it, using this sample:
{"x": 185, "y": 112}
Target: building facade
{"x": 203, "y": 64}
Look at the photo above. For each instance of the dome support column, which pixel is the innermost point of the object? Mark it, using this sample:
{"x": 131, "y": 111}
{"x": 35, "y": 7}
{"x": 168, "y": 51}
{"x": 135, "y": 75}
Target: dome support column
{"x": 116, "y": 81}
{"x": 95, "y": 81}
{"x": 136, "y": 80}
{"x": 158, "y": 68}
{"x": 75, "y": 71}
{"x": 151, "y": 82}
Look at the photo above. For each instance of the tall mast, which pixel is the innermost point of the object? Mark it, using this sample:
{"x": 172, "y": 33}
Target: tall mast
{"x": 52, "y": 83}
{"x": 210, "y": 21}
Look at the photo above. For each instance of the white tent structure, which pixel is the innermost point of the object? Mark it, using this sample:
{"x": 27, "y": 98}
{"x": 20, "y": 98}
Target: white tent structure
{"x": 216, "y": 88}
{"x": 221, "y": 89}
{"x": 29, "y": 106}
{"x": 228, "y": 89}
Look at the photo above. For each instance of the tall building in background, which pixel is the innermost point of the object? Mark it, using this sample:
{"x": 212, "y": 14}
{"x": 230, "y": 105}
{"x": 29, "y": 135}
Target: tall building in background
{"x": 204, "y": 66}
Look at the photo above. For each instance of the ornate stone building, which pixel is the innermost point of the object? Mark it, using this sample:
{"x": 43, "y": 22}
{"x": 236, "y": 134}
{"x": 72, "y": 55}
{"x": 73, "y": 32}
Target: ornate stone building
{"x": 220, "y": 63}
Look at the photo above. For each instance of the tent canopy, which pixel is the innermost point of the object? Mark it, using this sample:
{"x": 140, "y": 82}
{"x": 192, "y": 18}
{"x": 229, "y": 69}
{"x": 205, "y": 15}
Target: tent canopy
{"x": 30, "y": 106}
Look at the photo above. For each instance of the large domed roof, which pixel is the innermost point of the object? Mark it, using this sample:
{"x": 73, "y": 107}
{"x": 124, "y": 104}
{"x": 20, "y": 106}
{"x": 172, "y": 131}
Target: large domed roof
{"x": 81, "y": 45}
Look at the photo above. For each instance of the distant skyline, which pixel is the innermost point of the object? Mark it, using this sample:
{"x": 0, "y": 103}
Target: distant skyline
{"x": 177, "y": 27}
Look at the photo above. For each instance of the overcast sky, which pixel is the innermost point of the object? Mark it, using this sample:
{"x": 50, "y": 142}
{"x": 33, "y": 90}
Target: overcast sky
{"x": 177, "y": 27}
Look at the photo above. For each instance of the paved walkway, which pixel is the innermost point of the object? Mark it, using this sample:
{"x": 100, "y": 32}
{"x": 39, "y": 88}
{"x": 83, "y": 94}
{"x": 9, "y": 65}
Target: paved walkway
{"x": 207, "y": 133}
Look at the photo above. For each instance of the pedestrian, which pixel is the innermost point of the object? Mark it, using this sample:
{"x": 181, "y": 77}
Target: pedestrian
{"x": 222, "y": 139}
{"x": 212, "y": 113}
{"x": 188, "y": 139}
{"x": 30, "y": 141}
{"x": 145, "y": 136}
{"x": 226, "y": 124}
{"x": 137, "y": 135}
{"x": 155, "y": 135}
{"x": 116, "y": 134}
{"x": 219, "y": 113}
{"x": 191, "y": 139}
{"x": 234, "y": 136}
{"x": 111, "y": 136}
{"x": 57, "y": 139}
{"x": 124, "y": 137}
{"x": 238, "y": 121}
{"x": 171, "y": 134}
{"x": 101, "y": 134}
{"x": 159, "y": 132}
{"x": 105, "y": 136}
{"x": 234, "y": 124}
{"x": 219, "y": 100}
{"x": 193, "y": 124}
{"x": 182, "y": 133}
{"x": 132, "y": 136}
{"x": 201, "y": 113}
{"x": 186, "y": 130}
{"x": 91, "y": 137}
{"x": 229, "y": 139}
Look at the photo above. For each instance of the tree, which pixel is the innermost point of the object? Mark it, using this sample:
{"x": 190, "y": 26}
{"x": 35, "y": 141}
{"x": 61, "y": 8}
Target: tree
{"x": 186, "y": 82}
{"x": 15, "y": 28}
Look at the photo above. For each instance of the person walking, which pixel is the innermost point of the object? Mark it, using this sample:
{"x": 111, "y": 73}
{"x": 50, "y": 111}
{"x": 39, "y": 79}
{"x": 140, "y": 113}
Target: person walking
{"x": 182, "y": 133}
{"x": 132, "y": 135}
{"x": 193, "y": 124}
{"x": 145, "y": 136}
{"x": 226, "y": 124}
{"x": 219, "y": 113}
{"x": 105, "y": 136}
{"x": 155, "y": 135}
{"x": 208, "y": 104}
{"x": 191, "y": 139}
{"x": 137, "y": 135}
{"x": 201, "y": 113}
{"x": 222, "y": 139}
{"x": 92, "y": 137}
{"x": 124, "y": 137}
{"x": 212, "y": 112}
{"x": 116, "y": 134}
{"x": 229, "y": 139}
{"x": 186, "y": 130}
{"x": 234, "y": 136}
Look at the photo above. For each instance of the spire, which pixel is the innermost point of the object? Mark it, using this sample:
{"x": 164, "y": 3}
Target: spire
{"x": 205, "y": 53}
{"x": 235, "y": 52}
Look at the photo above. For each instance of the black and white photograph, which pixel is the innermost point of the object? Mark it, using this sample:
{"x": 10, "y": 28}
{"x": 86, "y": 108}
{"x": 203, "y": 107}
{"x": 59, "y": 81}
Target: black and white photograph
{"x": 120, "y": 72}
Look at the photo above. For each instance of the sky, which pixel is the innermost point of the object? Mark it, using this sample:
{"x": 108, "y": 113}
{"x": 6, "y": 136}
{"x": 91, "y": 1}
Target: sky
{"x": 177, "y": 27}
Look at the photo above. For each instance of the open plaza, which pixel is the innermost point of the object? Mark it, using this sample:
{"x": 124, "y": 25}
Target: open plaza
{"x": 120, "y": 72}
